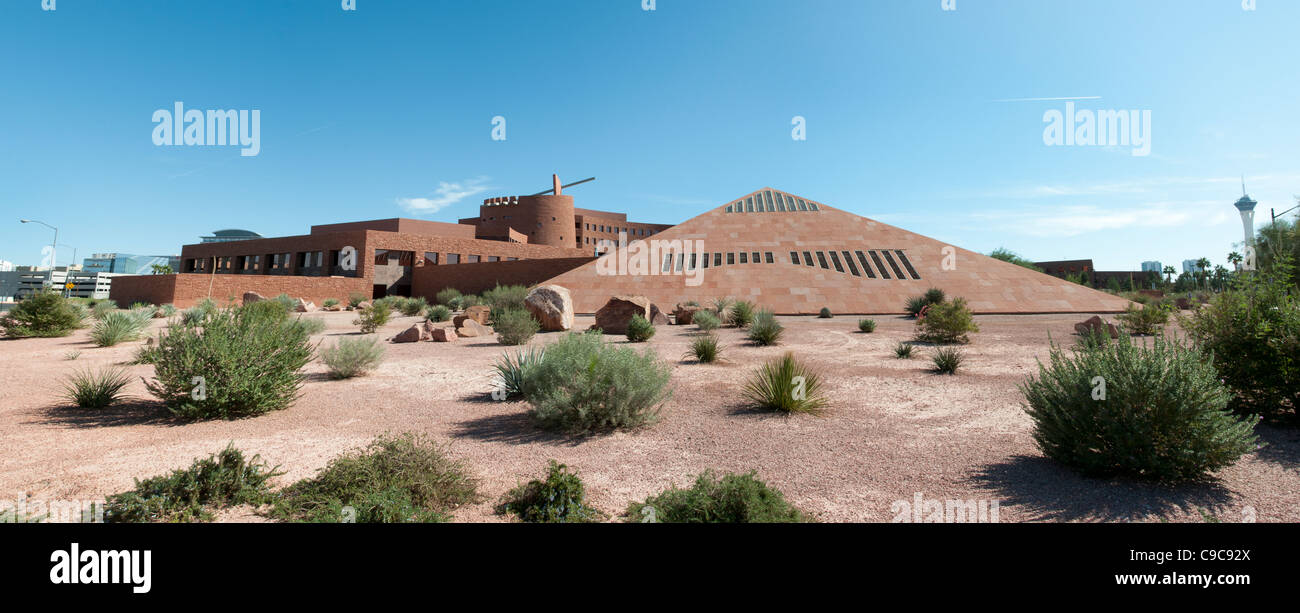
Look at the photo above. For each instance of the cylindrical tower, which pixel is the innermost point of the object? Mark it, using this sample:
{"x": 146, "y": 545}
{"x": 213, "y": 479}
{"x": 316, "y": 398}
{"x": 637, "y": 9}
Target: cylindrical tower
{"x": 545, "y": 220}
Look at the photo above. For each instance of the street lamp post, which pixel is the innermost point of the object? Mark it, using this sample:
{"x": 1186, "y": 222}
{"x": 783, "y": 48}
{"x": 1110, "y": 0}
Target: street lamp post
{"x": 54, "y": 249}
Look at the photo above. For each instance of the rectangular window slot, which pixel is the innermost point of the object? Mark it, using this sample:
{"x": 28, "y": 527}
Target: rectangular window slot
{"x": 767, "y": 258}
{"x": 898, "y": 272}
{"x": 853, "y": 268}
{"x": 706, "y": 260}
{"x": 668, "y": 263}
{"x": 835, "y": 259}
{"x": 744, "y": 257}
{"x": 803, "y": 206}
{"x": 866, "y": 268}
{"x": 821, "y": 259}
{"x": 794, "y": 258}
{"x": 717, "y": 259}
{"x": 749, "y": 205}
{"x": 884, "y": 274}
{"x": 731, "y": 259}
{"x": 902, "y": 257}
{"x": 807, "y": 259}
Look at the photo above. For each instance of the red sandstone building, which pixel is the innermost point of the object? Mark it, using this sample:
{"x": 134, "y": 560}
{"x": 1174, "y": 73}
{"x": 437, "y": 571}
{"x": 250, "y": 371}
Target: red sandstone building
{"x": 783, "y": 252}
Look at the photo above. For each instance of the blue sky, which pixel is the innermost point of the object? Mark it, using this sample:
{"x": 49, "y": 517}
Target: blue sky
{"x": 915, "y": 116}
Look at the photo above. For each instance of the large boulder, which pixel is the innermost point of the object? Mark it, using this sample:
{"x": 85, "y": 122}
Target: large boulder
{"x": 551, "y": 306}
{"x": 684, "y": 315}
{"x": 303, "y": 306}
{"x": 251, "y": 297}
{"x": 1096, "y": 324}
{"x": 479, "y": 313}
{"x": 413, "y": 334}
{"x": 657, "y": 317}
{"x": 444, "y": 335}
{"x": 471, "y": 328}
{"x": 615, "y": 315}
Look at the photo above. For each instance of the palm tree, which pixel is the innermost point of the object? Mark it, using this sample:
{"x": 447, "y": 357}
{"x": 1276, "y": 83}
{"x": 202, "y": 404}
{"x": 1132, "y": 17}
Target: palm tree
{"x": 1203, "y": 270}
{"x": 1169, "y": 272}
{"x": 1235, "y": 259}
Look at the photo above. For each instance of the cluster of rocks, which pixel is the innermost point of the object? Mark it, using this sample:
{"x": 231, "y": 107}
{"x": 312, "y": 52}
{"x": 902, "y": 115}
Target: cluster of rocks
{"x": 614, "y": 317}
{"x": 429, "y": 331}
{"x": 299, "y": 305}
{"x": 1096, "y": 324}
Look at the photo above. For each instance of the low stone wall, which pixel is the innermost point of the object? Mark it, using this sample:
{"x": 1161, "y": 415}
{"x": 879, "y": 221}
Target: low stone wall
{"x": 186, "y": 290}
{"x": 479, "y": 277}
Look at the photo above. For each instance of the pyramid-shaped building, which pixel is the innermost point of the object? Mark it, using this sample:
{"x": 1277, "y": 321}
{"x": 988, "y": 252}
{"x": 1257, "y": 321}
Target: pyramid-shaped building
{"x": 795, "y": 256}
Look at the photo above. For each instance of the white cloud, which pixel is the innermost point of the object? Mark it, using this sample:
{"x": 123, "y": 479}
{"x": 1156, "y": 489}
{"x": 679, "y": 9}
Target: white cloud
{"x": 1066, "y": 221}
{"x": 446, "y": 195}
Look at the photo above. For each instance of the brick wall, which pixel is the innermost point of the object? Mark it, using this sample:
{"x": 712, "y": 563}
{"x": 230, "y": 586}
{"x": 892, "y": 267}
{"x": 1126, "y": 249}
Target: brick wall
{"x": 483, "y": 276}
{"x": 186, "y": 290}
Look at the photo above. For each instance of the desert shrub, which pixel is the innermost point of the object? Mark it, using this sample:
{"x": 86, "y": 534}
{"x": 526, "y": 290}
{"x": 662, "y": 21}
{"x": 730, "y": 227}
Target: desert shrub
{"x": 391, "y": 302}
{"x": 765, "y": 330}
{"x": 353, "y": 357}
{"x": 438, "y": 313}
{"x": 560, "y": 499}
{"x": 330, "y": 302}
{"x": 221, "y": 480}
{"x": 705, "y": 348}
{"x": 311, "y": 325}
{"x": 867, "y": 325}
{"x": 1093, "y": 339}
{"x": 741, "y": 314}
{"x": 734, "y": 498}
{"x": 373, "y": 317}
{"x": 412, "y": 307}
{"x": 355, "y": 299}
{"x": 395, "y": 479}
{"x": 787, "y": 385}
{"x": 934, "y": 295}
{"x": 722, "y": 307}
{"x": 71, "y": 355}
{"x": 1149, "y": 319}
{"x": 166, "y": 310}
{"x": 504, "y": 297}
{"x": 195, "y": 315}
{"x": 286, "y": 301}
{"x": 469, "y": 300}
{"x": 914, "y": 305}
{"x": 947, "y": 322}
{"x": 95, "y": 390}
{"x": 249, "y": 363}
{"x": 515, "y": 327}
{"x": 903, "y": 351}
{"x": 583, "y": 384}
{"x": 514, "y": 374}
{"x": 947, "y": 360}
{"x": 445, "y": 296}
{"x": 639, "y": 329}
{"x": 101, "y": 308}
{"x": 44, "y": 314}
{"x": 272, "y": 310}
{"x": 119, "y": 327}
{"x": 1252, "y": 333}
{"x": 825, "y": 313}
{"x": 706, "y": 320}
{"x": 1154, "y": 412}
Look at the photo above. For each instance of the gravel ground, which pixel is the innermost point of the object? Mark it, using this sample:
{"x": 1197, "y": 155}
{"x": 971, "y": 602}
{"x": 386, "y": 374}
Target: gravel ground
{"x": 893, "y": 430}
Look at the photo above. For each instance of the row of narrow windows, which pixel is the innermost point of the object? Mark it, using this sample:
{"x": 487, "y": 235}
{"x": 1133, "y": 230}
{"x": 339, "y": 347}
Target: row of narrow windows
{"x": 856, "y": 263}
{"x": 769, "y": 201}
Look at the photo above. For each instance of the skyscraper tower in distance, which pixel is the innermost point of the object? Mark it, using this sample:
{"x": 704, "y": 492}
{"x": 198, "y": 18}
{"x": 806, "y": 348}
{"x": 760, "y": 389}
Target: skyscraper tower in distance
{"x": 1247, "y": 208}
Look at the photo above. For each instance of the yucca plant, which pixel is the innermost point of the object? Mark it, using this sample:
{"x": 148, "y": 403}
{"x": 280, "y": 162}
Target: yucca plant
{"x": 438, "y": 313}
{"x": 705, "y": 348}
{"x": 741, "y": 314}
{"x": 120, "y": 326}
{"x": 903, "y": 351}
{"x": 765, "y": 329}
{"x": 353, "y": 357}
{"x": 867, "y": 325}
{"x": 95, "y": 389}
{"x": 934, "y": 295}
{"x": 947, "y": 360}
{"x": 412, "y": 307}
{"x": 914, "y": 305}
{"x": 706, "y": 320}
{"x": 786, "y": 385}
{"x": 513, "y": 373}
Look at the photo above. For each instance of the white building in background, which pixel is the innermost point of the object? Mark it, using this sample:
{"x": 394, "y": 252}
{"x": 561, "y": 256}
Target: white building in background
{"x": 6, "y": 266}
{"x": 1153, "y": 266}
{"x": 84, "y": 284}
{"x": 1190, "y": 266}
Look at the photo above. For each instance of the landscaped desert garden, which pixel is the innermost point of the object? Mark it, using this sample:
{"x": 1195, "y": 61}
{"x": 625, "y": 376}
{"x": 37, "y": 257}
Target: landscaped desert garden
{"x": 891, "y": 430}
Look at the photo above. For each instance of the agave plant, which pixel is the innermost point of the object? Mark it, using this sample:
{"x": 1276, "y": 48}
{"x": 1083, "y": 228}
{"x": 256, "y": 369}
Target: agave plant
{"x": 513, "y": 372}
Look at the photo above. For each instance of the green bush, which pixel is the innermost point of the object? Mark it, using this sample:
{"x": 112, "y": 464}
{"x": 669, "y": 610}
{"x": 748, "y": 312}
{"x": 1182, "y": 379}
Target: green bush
{"x": 706, "y": 320}
{"x": 514, "y": 374}
{"x": 947, "y": 322}
{"x": 412, "y": 307}
{"x": 166, "y": 310}
{"x": 446, "y": 296}
{"x": 947, "y": 360}
{"x": 903, "y": 351}
{"x": 639, "y": 329}
{"x": 311, "y": 325}
{"x": 583, "y": 384}
{"x": 705, "y": 348}
{"x": 439, "y": 313}
{"x": 330, "y": 302}
{"x": 785, "y": 385}
{"x": 44, "y": 314}
{"x": 504, "y": 297}
{"x": 373, "y": 317}
{"x": 765, "y": 330}
{"x": 469, "y": 300}
{"x": 195, "y": 315}
{"x": 119, "y": 327}
{"x": 934, "y": 295}
{"x": 95, "y": 390}
{"x": 515, "y": 327}
{"x": 222, "y": 480}
{"x": 286, "y": 301}
{"x": 560, "y": 499}
{"x": 356, "y": 298}
{"x": 867, "y": 325}
{"x": 395, "y": 479}
{"x": 1252, "y": 333}
{"x": 1150, "y": 319}
{"x": 825, "y": 313}
{"x": 735, "y": 498}
{"x": 915, "y": 304}
{"x": 741, "y": 314}
{"x": 1154, "y": 412}
{"x": 250, "y": 363}
{"x": 101, "y": 308}
{"x": 353, "y": 357}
